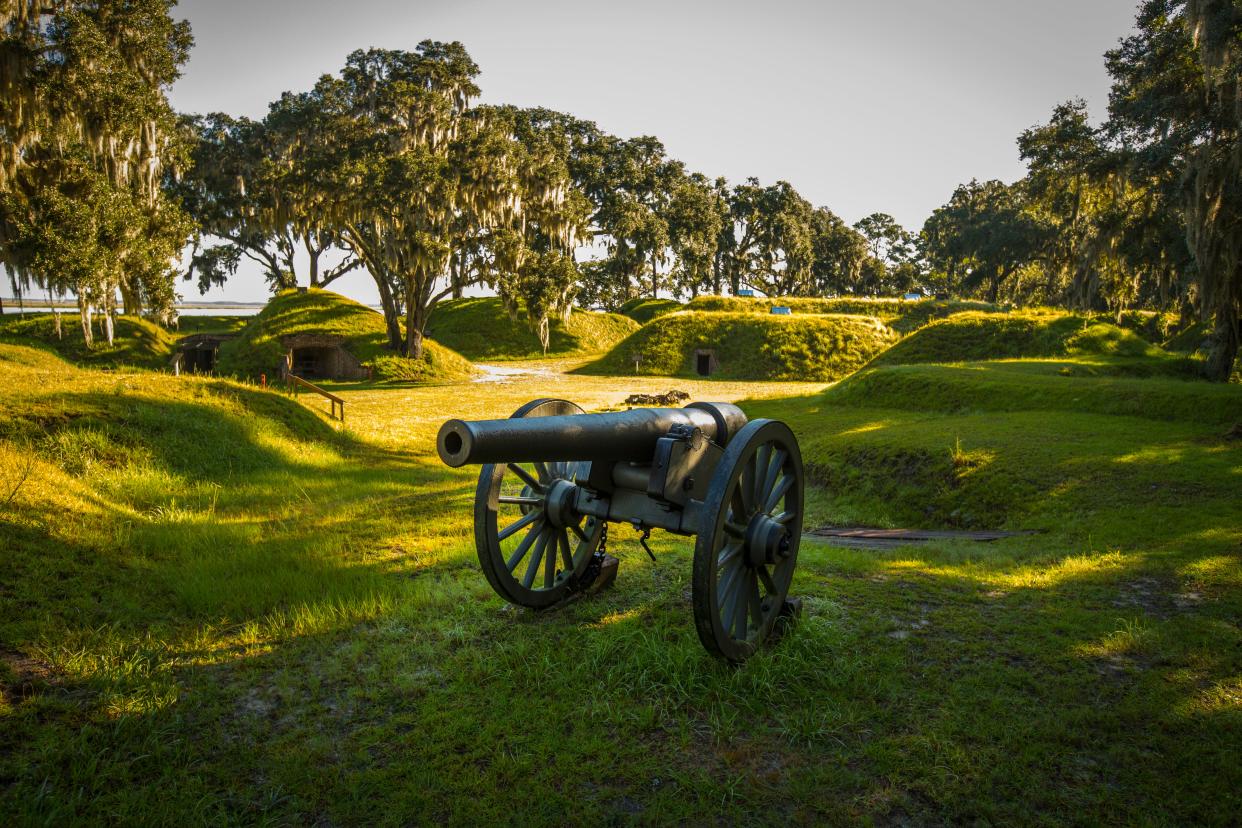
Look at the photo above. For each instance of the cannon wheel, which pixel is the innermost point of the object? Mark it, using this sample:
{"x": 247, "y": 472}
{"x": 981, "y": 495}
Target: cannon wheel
{"x": 748, "y": 545}
{"x": 527, "y": 559}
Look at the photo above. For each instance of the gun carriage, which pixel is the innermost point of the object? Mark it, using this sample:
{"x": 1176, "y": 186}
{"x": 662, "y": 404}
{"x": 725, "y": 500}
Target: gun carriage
{"x": 554, "y": 477}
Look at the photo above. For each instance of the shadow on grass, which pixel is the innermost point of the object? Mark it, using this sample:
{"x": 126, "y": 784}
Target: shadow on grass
{"x": 301, "y": 668}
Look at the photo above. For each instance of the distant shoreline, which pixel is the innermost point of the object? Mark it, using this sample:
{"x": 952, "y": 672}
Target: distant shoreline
{"x": 43, "y": 303}
{"x": 11, "y": 305}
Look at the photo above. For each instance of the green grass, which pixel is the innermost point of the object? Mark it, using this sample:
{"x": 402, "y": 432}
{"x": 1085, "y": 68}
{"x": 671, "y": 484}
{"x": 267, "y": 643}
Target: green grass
{"x": 481, "y": 330}
{"x": 643, "y": 309}
{"x": 216, "y": 607}
{"x": 192, "y": 324}
{"x": 899, "y": 314}
{"x": 748, "y": 346}
{"x": 258, "y": 349}
{"x": 137, "y": 343}
{"x": 970, "y": 336}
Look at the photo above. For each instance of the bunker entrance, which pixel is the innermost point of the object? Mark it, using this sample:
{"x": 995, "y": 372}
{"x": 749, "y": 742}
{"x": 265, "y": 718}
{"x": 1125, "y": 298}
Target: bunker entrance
{"x": 320, "y": 356}
{"x": 197, "y": 354}
{"x": 705, "y": 363}
{"x": 199, "y": 361}
{"x": 311, "y": 363}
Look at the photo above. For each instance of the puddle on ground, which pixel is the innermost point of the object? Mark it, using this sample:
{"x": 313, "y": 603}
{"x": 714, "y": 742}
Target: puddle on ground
{"x": 508, "y": 373}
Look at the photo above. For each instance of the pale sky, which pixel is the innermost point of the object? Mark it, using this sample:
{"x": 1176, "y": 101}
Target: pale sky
{"x": 862, "y": 106}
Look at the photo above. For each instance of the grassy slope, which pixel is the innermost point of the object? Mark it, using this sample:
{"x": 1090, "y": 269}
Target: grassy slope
{"x": 205, "y": 323}
{"x": 976, "y": 336}
{"x": 643, "y": 309}
{"x": 749, "y": 346}
{"x": 291, "y": 628}
{"x": 900, "y": 315}
{"x": 480, "y": 329}
{"x": 257, "y": 350}
{"x": 137, "y": 343}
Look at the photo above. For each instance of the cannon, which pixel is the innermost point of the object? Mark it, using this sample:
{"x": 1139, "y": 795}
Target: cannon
{"x": 553, "y": 477}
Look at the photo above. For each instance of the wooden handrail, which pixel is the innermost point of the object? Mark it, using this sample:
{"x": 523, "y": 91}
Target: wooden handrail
{"x": 297, "y": 382}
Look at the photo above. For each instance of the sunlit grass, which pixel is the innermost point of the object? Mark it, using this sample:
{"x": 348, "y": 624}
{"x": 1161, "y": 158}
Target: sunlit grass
{"x": 218, "y": 606}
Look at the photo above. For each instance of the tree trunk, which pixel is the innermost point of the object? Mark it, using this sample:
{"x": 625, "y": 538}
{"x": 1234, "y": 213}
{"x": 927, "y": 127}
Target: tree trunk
{"x": 84, "y": 315}
{"x": 655, "y": 278}
{"x": 109, "y": 310}
{"x": 130, "y": 303}
{"x": 1224, "y": 351}
{"x": 455, "y": 275}
{"x": 314, "y": 265}
{"x": 414, "y": 322}
{"x": 391, "y": 316}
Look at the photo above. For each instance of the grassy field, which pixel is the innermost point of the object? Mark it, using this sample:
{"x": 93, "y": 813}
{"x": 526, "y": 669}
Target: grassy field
{"x": 480, "y": 329}
{"x": 644, "y": 309}
{"x": 137, "y": 343}
{"x": 257, "y": 617}
{"x": 819, "y": 347}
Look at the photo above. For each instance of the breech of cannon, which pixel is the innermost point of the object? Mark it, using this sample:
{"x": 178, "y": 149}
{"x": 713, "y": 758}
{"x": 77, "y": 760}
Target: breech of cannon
{"x": 612, "y": 436}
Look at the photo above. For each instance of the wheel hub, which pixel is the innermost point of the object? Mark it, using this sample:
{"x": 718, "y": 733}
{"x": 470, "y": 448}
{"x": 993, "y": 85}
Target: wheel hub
{"x": 559, "y": 504}
{"x": 766, "y": 541}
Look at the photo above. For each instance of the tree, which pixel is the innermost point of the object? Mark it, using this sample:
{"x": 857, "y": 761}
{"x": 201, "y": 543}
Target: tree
{"x": 695, "y": 220}
{"x": 839, "y": 252}
{"x": 90, "y": 140}
{"x": 983, "y": 236}
{"x": 253, "y": 184}
{"x": 412, "y": 175}
{"x": 1174, "y": 108}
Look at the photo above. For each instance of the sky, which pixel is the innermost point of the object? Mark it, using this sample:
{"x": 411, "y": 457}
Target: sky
{"x": 863, "y": 106}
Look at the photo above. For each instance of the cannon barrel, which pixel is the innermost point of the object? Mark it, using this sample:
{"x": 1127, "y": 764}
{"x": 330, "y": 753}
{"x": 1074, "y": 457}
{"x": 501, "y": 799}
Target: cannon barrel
{"x": 611, "y": 436}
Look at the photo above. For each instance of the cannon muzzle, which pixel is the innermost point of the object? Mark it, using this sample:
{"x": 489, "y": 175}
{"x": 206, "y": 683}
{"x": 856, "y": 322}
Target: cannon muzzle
{"x": 611, "y": 436}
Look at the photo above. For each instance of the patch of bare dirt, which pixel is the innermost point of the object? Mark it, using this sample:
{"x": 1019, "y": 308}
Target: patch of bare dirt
{"x": 23, "y": 676}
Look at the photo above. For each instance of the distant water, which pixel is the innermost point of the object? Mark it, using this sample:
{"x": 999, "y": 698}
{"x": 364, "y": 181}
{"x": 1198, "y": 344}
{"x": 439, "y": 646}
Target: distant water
{"x": 222, "y": 310}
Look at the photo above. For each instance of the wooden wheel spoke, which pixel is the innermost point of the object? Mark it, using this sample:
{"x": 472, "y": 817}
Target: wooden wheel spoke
{"x": 766, "y": 578}
{"x": 577, "y": 530}
{"x": 522, "y": 547}
{"x": 567, "y": 557}
{"x": 549, "y": 559}
{"x": 544, "y": 475}
{"x": 728, "y": 554}
{"x": 774, "y": 469}
{"x": 536, "y": 558}
{"x": 726, "y": 596}
{"x": 754, "y": 601}
{"x": 759, "y": 472}
{"x": 784, "y": 517}
{"x": 746, "y": 489}
{"x": 740, "y": 601}
{"x": 517, "y": 525}
{"x": 526, "y": 477}
{"x": 737, "y": 504}
{"x": 737, "y": 530}
{"x": 775, "y": 497}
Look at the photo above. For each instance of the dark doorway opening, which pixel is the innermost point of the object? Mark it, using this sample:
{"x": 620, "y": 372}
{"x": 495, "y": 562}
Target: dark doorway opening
{"x": 199, "y": 360}
{"x": 704, "y": 363}
{"x": 311, "y": 363}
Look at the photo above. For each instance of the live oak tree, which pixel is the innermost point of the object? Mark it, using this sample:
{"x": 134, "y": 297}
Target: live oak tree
{"x": 1175, "y": 109}
{"x": 412, "y": 174}
{"x": 695, "y": 218}
{"x": 89, "y": 142}
{"x": 529, "y": 260}
{"x": 253, "y": 186}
